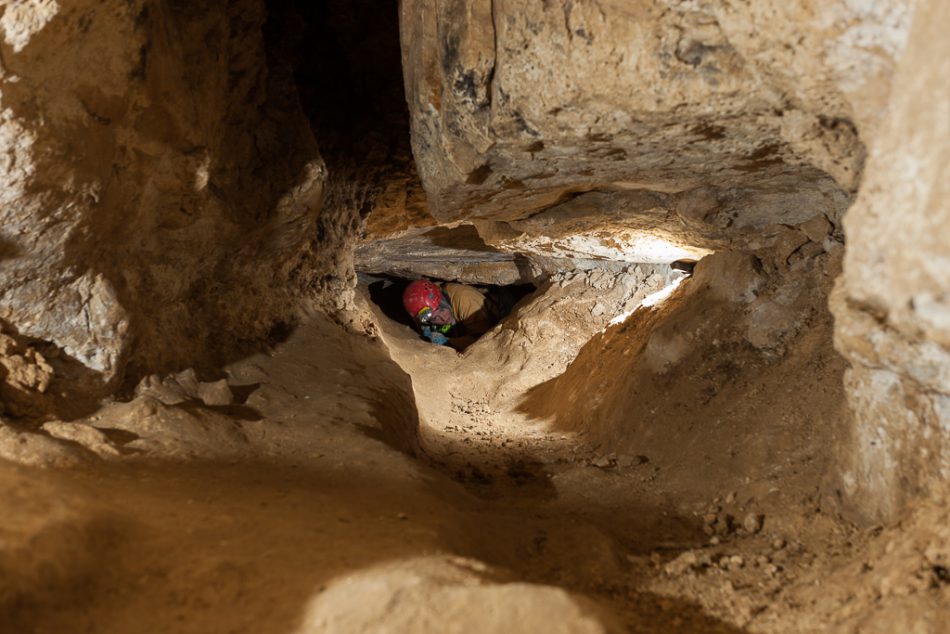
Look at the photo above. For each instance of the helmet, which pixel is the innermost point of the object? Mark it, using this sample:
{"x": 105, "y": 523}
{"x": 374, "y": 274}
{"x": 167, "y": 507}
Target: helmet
{"x": 421, "y": 295}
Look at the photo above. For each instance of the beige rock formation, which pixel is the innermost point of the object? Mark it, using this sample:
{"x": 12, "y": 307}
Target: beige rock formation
{"x": 144, "y": 179}
{"x": 24, "y": 378}
{"x": 453, "y": 595}
{"x": 891, "y": 305}
{"x": 515, "y": 105}
{"x": 669, "y": 129}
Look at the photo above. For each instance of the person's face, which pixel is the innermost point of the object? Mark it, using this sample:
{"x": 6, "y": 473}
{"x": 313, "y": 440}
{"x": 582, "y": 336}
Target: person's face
{"x": 441, "y": 316}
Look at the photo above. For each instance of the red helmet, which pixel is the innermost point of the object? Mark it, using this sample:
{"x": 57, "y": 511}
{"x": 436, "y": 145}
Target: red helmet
{"x": 421, "y": 295}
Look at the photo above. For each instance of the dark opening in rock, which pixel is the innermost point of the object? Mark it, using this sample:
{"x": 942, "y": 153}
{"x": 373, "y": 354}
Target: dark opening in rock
{"x": 387, "y": 292}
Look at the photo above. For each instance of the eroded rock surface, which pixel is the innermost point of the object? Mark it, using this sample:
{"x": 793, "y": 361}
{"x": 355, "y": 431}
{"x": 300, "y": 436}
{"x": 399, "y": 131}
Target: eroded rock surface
{"x": 24, "y": 378}
{"x": 735, "y": 362}
{"x": 448, "y": 594}
{"x": 149, "y": 162}
{"x": 516, "y": 104}
{"x": 892, "y": 305}
{"x": 457, "y": 254}
{"x": 642, "y": 132}
{"x": 252, "y": 414}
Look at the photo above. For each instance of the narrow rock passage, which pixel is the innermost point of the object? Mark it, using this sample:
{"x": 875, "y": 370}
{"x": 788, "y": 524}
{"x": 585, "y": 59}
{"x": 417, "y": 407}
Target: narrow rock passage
{"x": 205, "y": 425}
{"x": 176, "y": 545}
{"x": 324, "y": 513}
{"x": 470, "y": 421}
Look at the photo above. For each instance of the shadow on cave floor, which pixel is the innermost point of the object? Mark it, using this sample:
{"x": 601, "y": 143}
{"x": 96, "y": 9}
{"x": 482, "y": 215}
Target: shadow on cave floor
{"x": 190, "y": 543}
{"x": 74, "y": 390}
{"x": 196, "y": 545}
{"x": 252, "y": 547}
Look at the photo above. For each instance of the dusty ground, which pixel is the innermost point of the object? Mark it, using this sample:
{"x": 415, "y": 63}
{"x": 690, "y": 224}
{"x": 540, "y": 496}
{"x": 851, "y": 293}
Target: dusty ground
{"x": 322, "y": 497}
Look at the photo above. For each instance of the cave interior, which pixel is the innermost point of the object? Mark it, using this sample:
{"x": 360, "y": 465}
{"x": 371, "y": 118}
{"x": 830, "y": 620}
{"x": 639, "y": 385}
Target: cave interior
{"x": 717, "y": 401}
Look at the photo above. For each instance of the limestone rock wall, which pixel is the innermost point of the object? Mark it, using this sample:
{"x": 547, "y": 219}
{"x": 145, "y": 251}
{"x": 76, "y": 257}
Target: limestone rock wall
{"x": 642, "y": 131}
{"x": 892, "y": 304}
{"x": 516, "y": 105}
{"x": 579, "y": 128}
{"x": 736, "y": 364}
{"x": 157, "y": 179}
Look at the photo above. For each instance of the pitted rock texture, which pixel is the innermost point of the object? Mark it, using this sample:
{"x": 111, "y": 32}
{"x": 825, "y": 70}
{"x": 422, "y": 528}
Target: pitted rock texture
{"x": 611, "y": 229}
{"x": 530, "y": 252}
{"x": 442, "y": 253}
{"x": 24, "y": 378}
{"x": 892, "y": 305}
{"x": 148, "y": 192}
{"x": 640, "y": 226}
{"x": 249, "y": 415}
{"x": 515, "y": 105}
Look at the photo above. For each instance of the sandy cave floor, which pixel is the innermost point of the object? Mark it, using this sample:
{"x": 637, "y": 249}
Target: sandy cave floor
{"x": 250, "y": 539}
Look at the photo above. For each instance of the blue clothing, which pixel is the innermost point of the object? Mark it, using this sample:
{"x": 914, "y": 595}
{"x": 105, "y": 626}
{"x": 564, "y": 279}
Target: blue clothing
{"x": 436, "y": 334}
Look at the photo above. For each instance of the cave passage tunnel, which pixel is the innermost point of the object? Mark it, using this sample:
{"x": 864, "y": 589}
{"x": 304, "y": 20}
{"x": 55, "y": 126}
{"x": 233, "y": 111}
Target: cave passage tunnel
{"x": 712, "y": 394}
